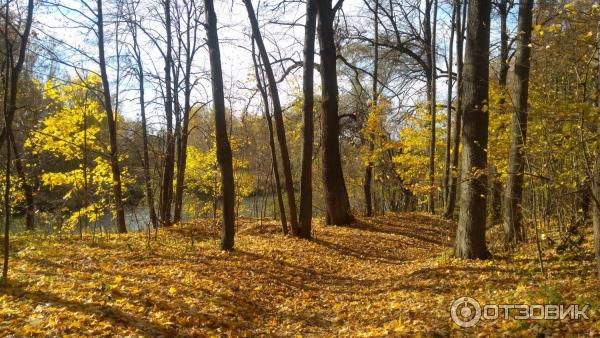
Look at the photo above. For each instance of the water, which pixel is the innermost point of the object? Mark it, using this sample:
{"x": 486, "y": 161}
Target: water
{"x": 137, "y": 218}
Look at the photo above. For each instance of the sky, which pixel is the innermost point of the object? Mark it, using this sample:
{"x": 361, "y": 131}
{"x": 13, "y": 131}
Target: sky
{"x": 66, "y": 27}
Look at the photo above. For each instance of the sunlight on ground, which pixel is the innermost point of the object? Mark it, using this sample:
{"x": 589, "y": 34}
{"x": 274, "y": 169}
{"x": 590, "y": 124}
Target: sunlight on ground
{"x": 391, "y": 275}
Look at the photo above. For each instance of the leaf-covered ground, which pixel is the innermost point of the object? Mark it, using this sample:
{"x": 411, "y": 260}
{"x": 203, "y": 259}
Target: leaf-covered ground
{"x": 390, "y": 275}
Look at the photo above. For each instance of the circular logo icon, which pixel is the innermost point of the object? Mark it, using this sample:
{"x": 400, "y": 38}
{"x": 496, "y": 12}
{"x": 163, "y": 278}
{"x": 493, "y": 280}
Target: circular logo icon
{"x": 465, "y": 311}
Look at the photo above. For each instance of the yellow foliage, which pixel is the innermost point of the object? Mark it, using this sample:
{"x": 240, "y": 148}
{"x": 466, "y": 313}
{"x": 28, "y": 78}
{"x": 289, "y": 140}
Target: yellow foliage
{"x": 203, "y": 179}
{"x": 500, "y": 111}
{"x": 74, "y": 132}
{"x": 374, "y": 133}
{"x": 412, "y": 159}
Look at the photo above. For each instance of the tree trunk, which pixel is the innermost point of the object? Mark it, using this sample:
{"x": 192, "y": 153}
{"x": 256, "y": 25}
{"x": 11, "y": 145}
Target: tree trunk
{"x": 595, "y": 192}
{"x": 265, "y": 99}
{"x": 334, "y": 186}
{"x": 6, "y": 204}
{"x": 504, "y": 66}
{"x": 470, "y": 235}
{"x": 495, "y": 191}
{"x": 368, "y": 180}
{"x": 112, "y": 128}
{"x": 11, "y": 83}
{"x": 277, "y": 113}
{"x": 596, "y": 179}
{"x": 7, "y": 125}
{"x": 177, "y": 112}
{"x": 513, "y": 216}
{"x": 146, "y": 156}
{"x": 495, "y": 184}
{"x": 445, "y": 187}
{"x": 584, "y": 199}
{"x": 308, "y": 131}
{"x": 182, "y": 155}
{"x": 430, "y": 37}
{"x": 12, "y": 73}
{"x": 224, "y": 156}
{"x": 460, "y": 29}
{"x": 27, "y": 191}
{"x": 596, "y": 222}
{"x": 167, "y": 182}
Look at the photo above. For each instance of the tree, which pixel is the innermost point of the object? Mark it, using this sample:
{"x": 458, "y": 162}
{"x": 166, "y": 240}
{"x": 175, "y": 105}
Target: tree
{"x": 6, "y": 204}
{"x": 596, "y": 178}
{"x": 369, "y": 169}
{"x": 336, "y": 195}
{"x": 470, "y": 234}
{"x": 169, "y": 163}
{"x": 112, "y": 128}
{"x": 513, "y": 217}
{"x": 457, "y": 130}
{"x": 204, "y": 178}
{"x": 596, "y": 208}
{"x": 25, "y": 185}
{"x": 278, "y": 114}
{"x": 187, "y": 37}
{"x": 12, "y": 71}
{"x": 447, "y": 169}
{"x": 263, "y": 92}
{"x": 222, "y": 140}
{"x": 430, "y": 37}
{"x": 504, "y": 7}
{"x": 412, "y": 150}
{"x": 132, "y": 23}
{"x": 73, "y": 131}
{"x": 308, "y": 131}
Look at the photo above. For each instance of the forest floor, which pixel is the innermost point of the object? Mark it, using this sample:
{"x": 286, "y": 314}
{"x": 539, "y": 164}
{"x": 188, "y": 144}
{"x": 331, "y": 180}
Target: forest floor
{"x": 389, "y": 275}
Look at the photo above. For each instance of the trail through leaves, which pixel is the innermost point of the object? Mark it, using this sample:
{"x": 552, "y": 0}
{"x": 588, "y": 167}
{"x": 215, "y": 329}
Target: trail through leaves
{"x": 389, "y": 275}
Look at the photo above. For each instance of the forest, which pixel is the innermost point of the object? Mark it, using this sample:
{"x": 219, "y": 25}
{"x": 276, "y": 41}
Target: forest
{"x": 320, "y": 168}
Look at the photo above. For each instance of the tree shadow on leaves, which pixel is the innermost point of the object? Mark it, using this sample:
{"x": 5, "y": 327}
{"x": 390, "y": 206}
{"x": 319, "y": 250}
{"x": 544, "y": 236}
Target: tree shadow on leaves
{"x": 110, "y": 313}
